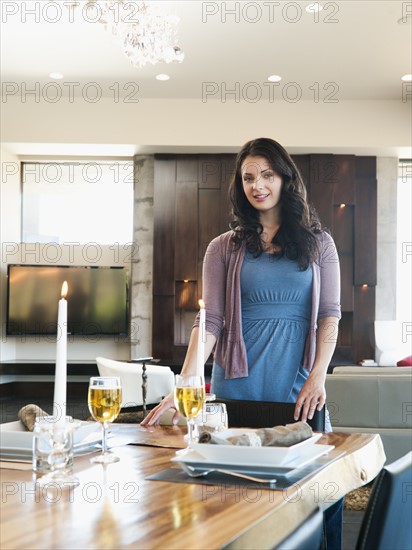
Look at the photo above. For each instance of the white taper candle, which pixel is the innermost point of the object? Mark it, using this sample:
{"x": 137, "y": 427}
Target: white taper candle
{"x": 60, "y": 380}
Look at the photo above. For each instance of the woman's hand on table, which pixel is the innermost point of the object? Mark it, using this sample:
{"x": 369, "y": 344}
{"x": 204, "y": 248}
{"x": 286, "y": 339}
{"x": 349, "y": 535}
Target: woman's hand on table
{"x": 312, "y": 396}
{"x": 153, "y": 416}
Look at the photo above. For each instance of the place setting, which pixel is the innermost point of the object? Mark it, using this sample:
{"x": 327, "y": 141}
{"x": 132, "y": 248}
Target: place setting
{"x": 275, "y": 458}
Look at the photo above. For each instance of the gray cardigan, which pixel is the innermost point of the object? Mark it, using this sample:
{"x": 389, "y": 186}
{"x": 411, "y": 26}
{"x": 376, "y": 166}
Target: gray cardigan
{"x": 221, "y": 294}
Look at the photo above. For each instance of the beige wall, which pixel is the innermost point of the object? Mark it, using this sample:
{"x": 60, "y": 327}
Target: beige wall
{"x": 157, "y": 125}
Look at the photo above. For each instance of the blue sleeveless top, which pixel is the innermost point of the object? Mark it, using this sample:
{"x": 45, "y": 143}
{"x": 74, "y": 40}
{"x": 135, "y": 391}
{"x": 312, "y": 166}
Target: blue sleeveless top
{"x": 276, "y": 300}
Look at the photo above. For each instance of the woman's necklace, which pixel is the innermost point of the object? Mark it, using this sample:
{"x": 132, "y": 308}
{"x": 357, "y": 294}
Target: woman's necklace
{"x": 267, "y": 243}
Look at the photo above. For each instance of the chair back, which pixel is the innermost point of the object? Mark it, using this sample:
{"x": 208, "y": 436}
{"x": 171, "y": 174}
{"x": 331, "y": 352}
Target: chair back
{"x": 387, "y": 522}
{"x": 391, "y": 344}
{"x": 307, "y": 536}
{"x": 160, "y": 380}
{"x": 265, "y": 414}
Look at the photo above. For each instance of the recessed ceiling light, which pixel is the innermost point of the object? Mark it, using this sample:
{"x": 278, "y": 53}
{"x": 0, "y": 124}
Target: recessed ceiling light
{"x": 162, "y": 77}
{"x": 56, "y": 76}
{"x": 407, "y": 78}
{"x": 314, "y": 8}
{"x": 274, "y": 78}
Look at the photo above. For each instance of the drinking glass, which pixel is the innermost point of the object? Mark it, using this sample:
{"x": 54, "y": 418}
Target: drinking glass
{"x": 189, "y": 398}
{"x": 53, "y": 451}
{"x": 104, "y": 400}
{"x": 213, "y": 417}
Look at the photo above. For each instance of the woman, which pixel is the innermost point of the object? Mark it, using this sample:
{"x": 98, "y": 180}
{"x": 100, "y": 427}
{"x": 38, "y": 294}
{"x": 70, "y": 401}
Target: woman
{"x": 271, "y": 287}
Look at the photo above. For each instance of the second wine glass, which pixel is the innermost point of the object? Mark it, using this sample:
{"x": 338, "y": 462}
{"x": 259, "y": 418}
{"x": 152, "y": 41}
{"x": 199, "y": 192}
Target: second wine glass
{"x": 104, "y": 400}
{"x": 189, "y": 398}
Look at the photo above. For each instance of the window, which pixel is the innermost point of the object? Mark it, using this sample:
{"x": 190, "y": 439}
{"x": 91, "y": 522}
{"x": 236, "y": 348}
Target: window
{"x": 404, "y": 248}
{"x": 77, "y": 202}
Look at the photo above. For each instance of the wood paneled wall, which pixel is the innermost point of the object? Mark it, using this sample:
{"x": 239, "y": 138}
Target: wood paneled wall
{"x": 191, "y": 208}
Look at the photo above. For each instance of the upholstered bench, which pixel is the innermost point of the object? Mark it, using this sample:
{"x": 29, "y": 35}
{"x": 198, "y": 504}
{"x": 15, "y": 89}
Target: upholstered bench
{"x": 373, "y": 400}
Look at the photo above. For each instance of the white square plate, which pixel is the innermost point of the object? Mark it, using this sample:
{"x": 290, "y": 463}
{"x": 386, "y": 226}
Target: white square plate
{"x": 257, "y": 456}
{"x": 13, "y": 435}
{"x": 199, "y": 464}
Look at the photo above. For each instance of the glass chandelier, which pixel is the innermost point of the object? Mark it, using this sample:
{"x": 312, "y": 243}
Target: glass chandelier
{"x": 146, "y": 34}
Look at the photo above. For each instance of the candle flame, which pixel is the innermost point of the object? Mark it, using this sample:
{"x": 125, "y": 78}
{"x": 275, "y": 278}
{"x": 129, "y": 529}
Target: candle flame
{"x": 201, "y": 304}
{"x": 64, "y": 289}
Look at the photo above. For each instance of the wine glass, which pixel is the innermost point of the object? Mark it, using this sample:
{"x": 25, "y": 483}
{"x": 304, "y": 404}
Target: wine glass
{"x": 104, "y": 400}
{"x": 189, "y": 397}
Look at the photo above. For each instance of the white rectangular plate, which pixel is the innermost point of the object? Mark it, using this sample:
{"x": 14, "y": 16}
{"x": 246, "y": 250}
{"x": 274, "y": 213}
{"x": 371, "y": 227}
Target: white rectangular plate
{"x": 14, "y": 437}
{"x": 309, "y": 454}
{"x": 262, "y": 456}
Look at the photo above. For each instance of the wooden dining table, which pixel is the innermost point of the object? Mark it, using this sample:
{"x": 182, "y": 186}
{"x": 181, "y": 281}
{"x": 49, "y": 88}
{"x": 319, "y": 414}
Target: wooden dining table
{"x": 121, "y": 506}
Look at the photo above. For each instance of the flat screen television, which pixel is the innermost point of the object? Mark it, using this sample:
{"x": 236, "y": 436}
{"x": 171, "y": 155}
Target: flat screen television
{"x": 97, "y": 299}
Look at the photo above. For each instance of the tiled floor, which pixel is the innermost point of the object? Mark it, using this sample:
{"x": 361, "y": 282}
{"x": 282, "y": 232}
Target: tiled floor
{"x": 77, "y": 408}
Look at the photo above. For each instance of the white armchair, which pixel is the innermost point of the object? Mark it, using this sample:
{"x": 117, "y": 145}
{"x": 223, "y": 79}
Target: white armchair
{"x": 160, "y": 380}
{"x": 391, "y": 345}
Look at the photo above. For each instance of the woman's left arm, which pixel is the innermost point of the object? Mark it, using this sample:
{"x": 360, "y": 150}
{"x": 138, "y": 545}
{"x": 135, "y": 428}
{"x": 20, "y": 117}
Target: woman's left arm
{"x": 312, "y": 396}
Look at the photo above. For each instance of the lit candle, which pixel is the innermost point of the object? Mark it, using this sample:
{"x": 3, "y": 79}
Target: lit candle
{"x": 201, "y": 338}
{"x": 60, "y": 379}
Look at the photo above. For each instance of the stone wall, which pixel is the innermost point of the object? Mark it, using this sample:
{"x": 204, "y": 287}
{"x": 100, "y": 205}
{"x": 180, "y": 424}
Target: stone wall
{"x": 142, "y": 266}
{"x": 386, "y": 173}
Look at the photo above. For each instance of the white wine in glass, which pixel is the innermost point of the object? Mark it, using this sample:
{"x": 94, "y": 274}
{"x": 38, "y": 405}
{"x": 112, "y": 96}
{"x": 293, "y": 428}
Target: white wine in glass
{"x": 104, "y": 400}
{"x": 189, "y": 398}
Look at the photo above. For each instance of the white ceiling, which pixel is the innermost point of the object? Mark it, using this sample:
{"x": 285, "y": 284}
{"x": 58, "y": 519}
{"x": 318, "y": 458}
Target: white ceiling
{"x": 361, "y": 55}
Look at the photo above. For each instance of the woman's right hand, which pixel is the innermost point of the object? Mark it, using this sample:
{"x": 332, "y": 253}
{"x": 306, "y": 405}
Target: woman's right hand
{"x": 153, "y": 416}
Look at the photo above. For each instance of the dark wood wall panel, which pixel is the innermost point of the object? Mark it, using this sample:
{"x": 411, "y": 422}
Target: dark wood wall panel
{"x": 363, "y": 320}
{"x": 209, "y": 218}
{"x": 164, "y": 225}
{"x": 191, "y": 207}
{"x": 366, "y": 222}
{"x": 163, "y": 327}
{"x": 344, "y": 185}
{"x": 209, "y": 225}
{"x": 343, "y": 236}
{"x": 209, "y": 172}
{"x": 186, "y": 231}
{"x": 322, "y": 180}
{"x": 227, "y": 163}
{"x": 303, "y": 164}
{"x": 345, "y": 334}
{"x": 186, "y": 169}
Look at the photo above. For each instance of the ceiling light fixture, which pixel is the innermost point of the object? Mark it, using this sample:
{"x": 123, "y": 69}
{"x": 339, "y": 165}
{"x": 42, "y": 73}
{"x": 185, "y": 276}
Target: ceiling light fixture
{"x": 56, "y": 76}
{"x": 274, "y": 78}
{"x": 314, "y": 8}
{"x": 162, "y": 77}
{"x": 407, "y": 78}
{"x": 146, "y": 34}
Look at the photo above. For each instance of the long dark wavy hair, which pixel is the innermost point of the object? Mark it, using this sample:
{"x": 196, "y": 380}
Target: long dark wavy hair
{"x": 296, "y": 238}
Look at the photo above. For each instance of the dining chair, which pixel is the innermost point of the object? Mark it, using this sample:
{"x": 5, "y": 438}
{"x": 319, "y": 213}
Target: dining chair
{"x": 387, "y": 522}
{"x": 307, "y": 536}
{"x": 160, "y": 381}
{"x": 265, "y": 414}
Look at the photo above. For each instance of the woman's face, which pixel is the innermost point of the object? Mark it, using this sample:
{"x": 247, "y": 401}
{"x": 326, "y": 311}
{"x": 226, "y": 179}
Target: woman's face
{"x": 261, "y": 184}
